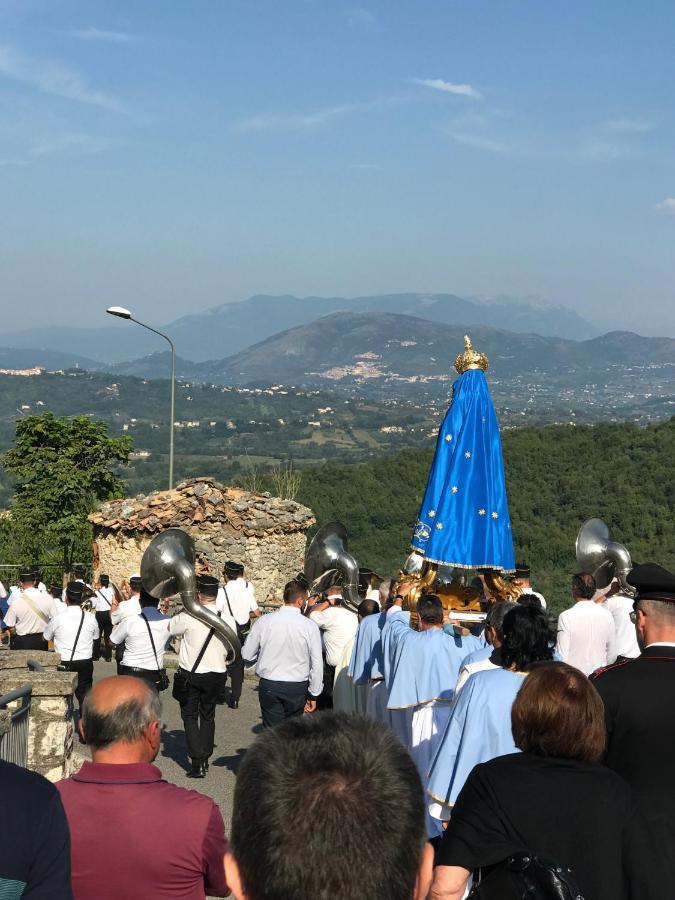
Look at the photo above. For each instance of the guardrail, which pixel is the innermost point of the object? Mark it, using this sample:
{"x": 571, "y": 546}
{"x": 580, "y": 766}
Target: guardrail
{"x": 14, "y": 743}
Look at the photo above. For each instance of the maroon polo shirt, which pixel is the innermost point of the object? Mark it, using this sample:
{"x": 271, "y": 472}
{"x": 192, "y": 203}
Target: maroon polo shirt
{"x": 135, "y": 836}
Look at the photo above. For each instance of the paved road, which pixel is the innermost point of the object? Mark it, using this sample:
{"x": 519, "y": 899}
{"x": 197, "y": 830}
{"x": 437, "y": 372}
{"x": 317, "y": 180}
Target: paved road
{"x": 235, "y": 731}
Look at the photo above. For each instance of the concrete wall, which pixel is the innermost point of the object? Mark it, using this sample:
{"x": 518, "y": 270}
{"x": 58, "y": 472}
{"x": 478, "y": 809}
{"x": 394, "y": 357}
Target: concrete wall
{"x": 270, "y": 560}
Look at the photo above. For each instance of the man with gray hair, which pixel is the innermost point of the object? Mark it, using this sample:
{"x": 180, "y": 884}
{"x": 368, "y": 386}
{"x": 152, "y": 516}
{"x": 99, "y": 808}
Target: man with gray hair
{"x": 488, "y": 657}
{"x": 121, "y": 788}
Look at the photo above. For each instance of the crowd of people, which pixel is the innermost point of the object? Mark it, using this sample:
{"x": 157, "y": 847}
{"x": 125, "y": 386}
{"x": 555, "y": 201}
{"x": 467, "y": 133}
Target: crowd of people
{"x": 401, "y": 762}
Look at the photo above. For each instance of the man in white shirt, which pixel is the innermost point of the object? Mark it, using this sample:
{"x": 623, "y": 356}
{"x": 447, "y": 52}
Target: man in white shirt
{"x": 522, "y": 580}
{"x": 338, "y": 626}
{"x": 58, "y": 605}
{"x": 103, "y": 603}
{"x": 621, "y": 606}
{"x": 286, "y": 649}
{"x": 586, "y": 636}
{"x": 236, "y": 598}
{"x": 145, "y": 637}
{"x": 28, "y": 615}
{"x": 129, "y": 607}
{"x": 200, "y": 680}
{"x": 74, "y": 632}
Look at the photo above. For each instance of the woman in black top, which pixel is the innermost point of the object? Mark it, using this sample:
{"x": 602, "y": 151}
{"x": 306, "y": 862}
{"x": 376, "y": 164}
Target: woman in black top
{"x": 553, "y": 800}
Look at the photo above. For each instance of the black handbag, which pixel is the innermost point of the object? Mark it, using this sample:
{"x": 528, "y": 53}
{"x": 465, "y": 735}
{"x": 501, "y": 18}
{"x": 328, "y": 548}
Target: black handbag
{"x": 162, "y": 678}
{"x": 524, "y": 876}
{"x": 182, "y": 679}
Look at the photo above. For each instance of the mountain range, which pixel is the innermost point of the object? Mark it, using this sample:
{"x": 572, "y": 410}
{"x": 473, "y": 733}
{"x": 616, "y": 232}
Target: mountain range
{"x": 228, "y": 329}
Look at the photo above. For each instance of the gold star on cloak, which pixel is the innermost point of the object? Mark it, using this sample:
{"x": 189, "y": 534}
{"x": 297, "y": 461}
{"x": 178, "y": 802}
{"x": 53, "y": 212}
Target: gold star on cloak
{"x": 454, "y": 489}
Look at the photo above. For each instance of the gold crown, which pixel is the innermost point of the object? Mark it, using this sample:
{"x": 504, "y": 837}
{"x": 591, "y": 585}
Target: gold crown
{"x": 470, "y": 359}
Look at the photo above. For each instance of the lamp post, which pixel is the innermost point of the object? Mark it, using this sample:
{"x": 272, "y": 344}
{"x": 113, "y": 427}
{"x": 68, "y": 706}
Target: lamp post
{"x": 123, "y": 313}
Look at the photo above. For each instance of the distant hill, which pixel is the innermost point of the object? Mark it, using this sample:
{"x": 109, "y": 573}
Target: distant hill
{"x": 371, "y": 347}
{"x": 32, "y": 358}
{"x": 230, "y": 328}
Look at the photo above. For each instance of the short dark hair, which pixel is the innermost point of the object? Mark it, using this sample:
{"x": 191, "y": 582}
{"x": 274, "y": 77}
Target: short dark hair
{"x": 559, "y": 713}
{"x": 430, "y": 609}
{"x": 326, "y": 806}
{"x": 583, "y": 585}
{"x": 496, "y": 615}
{"x": 368, "y": 608}
{"x": 293, "y": 590}
{"x": 527, "y": 637}
{"x": 147, "y": 600}
{"x": 125, "y": 722}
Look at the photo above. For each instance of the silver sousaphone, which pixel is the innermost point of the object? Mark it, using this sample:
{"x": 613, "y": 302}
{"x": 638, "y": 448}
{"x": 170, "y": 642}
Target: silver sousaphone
{"x": 328, "y": 562}
{"x": 598, "y": 555}
{"x": 168, "y": 568}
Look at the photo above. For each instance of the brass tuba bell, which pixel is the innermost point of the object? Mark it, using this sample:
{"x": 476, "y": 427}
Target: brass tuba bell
{"x": 598, "y": 555}
{"x": 328, "y": 562}
{"x": 167, "y": 568}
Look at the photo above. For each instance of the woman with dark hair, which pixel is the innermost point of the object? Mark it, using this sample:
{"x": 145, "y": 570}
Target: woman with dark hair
{"x": 553, "y": 800}
{"x": 479, "y": 727}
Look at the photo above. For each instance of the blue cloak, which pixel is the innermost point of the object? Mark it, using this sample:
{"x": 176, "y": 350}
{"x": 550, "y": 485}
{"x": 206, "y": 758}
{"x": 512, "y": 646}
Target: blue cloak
{"x": 367, "y": 661}
{"x": 479, "y": 729}
{"x": 419, "y": 666}
{"x": 464, "y": 518}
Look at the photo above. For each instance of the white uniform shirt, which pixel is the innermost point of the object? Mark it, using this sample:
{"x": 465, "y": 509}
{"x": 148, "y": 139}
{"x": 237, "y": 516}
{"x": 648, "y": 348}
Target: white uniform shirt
{"x": 63, "y": 630}
{"x": 286, "y": 646}
{"x": 586, "y": 636}
{"x": 77, "y": 581}
{"x": 130, "y": 607}
{"x": 21, "y": 616}
{"x": 621, "y": 606}
{"x": 103, "y": 599}
{"x": 467, "y": 671}
{"x": 137, "y": 646}
{"x": 58, "y": 606}
{"x": 241, "y": 596}
{"x": 338, "y": 627}
{"x": 14, "y": 592}
{"x": 194, "y": 633}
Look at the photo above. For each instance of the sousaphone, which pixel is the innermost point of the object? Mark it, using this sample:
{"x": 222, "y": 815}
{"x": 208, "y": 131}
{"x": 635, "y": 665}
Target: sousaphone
{"x": 168, "y": 568}
{"x": 329, "y": 562}
{"x": 603, "y": 558}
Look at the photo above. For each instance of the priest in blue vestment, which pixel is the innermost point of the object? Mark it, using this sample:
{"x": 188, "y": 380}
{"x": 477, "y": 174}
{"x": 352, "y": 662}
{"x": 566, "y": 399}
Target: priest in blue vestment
{"x": 366, "y": 666}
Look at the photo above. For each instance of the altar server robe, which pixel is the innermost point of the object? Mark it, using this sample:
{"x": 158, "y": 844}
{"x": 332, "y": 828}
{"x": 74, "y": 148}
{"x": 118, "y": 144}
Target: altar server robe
{"x": 366, "y": 665}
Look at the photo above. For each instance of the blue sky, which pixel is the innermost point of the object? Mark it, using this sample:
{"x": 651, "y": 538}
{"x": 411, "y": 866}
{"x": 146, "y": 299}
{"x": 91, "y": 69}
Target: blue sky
{"x": 171, "y": 156}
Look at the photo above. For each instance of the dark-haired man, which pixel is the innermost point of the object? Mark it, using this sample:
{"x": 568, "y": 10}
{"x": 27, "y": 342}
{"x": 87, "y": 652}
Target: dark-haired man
{"x": 145, "y": 638}
{"x": 586, "y": 636}
{"x": 121, "y": 788}
{"x": 306, "y": 798}
{"x": 74, "y": 632}
{"x": 639, "y": 695}
{"x": 28, "y": 615}
{"x": 236, "y": 599}
{"x": 285, "y": 647}
{"x": 103, "y": 602}
{"x": 338, "y": 626}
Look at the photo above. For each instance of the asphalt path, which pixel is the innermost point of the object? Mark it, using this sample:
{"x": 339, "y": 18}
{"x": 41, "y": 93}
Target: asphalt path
{"x": 236, "y": 730}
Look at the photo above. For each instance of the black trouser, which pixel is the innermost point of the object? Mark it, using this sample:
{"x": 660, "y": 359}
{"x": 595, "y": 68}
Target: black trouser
{"x": 236, "y": 673}
{"x": 325, "y": 701}
{"x": 105, "y": 627}
{"x": 34, "y": 641}
{"x": 199, "y": 712}
{"x": 281, "y": 700}
{"x": 85, "y": 677}
{"x": 149, "y": 675}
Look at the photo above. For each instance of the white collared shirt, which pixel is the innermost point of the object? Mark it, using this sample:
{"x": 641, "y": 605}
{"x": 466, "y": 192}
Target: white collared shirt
{"x": 586, "y": 636}
{"x": 63, "y": 630}
{"x": 133, "y": 632}
{"x": 621, "y": 606}
{"x": 21, "y": 616}
{"x": 130, "y": 607}
{"x": 286, "y": 646}
{"x": 194, "y": 633}
{"x": 58, "y": 606}
{"x": 338, "y": 627}
{"x": 241, "y": 596}
{"x": 103, "y": 598}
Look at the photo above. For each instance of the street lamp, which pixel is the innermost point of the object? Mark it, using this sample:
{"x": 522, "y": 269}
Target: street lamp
{"x": 123, "y": 313}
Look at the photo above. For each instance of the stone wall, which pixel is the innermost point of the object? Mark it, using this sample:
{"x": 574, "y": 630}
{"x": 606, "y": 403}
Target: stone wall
{"x": 270, "y": 561}
{"x": 50, "y": 729}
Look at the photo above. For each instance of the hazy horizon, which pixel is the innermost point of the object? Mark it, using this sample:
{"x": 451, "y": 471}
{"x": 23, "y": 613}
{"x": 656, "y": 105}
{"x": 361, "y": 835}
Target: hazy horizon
{"x": 171, "y": 158}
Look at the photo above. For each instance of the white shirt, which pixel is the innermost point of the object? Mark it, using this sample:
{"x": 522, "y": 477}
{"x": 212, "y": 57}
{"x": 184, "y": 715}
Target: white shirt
{"x": 241, "y": 595}
{"x": 467, "y": 671}
{"x": 338, "y": 627}
{"x": 58, "y": 606}
{"x": 103, "y": 599}
{"x": 63, "y": 630}
{"x": 130, "y": 607}
{"x": 77, "y": 581}
{"x": 133, "y": 632}
{"x": 194, "y": 633}
{"x": 621, "y": 606}
{"x": 586, "y": 637}
{"x": 21, "y": 616}
{"x": 286, "y": 646}
{"x": 540, "y": 597}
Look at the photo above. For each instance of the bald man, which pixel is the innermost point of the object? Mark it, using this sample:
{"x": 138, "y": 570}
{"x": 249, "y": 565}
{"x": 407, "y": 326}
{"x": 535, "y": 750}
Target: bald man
{"x": 121, "y": 787}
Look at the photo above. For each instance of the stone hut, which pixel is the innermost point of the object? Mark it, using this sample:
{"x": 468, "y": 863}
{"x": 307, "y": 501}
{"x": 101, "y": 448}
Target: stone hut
{"x": 264, "y": 533}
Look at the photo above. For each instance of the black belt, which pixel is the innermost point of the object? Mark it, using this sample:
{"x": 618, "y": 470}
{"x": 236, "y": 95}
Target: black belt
{"x": 136, "y": 669}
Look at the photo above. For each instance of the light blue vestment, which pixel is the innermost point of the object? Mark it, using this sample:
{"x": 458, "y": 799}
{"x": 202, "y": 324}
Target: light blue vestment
{"x": 366, "y": 662}
{"x": 479, "y": 729}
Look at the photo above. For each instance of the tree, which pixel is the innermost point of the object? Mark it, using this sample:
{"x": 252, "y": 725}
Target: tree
{"x": 63, "y": 468}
